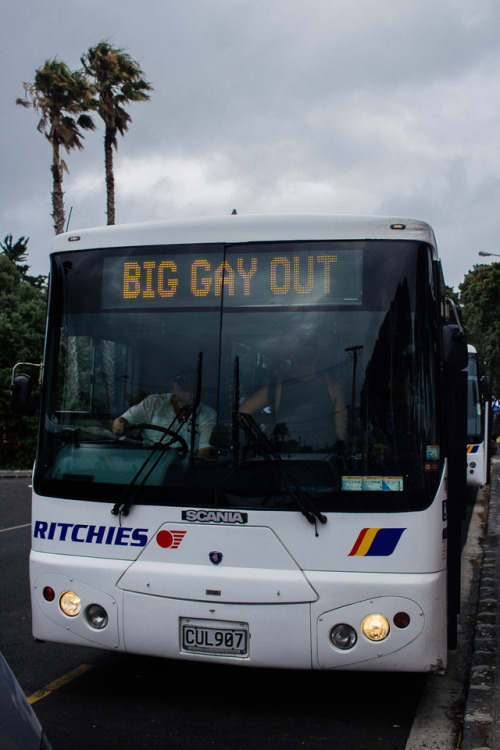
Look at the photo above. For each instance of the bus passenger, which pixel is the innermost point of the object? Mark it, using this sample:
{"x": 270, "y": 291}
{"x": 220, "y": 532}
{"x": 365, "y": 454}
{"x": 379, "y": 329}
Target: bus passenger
{"x": 308, "y": 404}
{"x": 173, "y": 411}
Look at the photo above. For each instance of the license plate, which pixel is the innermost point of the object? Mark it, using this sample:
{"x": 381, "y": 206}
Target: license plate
{"x": 208, "y": 637}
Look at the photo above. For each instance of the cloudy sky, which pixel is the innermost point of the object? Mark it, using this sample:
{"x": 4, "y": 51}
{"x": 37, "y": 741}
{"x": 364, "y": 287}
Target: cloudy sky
{"x": 387, "y": 107}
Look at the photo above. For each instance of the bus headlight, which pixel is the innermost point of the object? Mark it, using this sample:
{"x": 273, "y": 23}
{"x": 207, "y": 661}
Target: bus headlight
{"x": 97, "y": 617}
{"x": 70, "y": 603}
{"x": 375, "y": 627}
{"x": 343, "y": 636}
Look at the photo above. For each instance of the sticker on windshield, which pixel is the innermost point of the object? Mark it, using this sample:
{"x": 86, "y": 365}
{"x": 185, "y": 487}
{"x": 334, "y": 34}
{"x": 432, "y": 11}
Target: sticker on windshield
{"x": 432, "y": 452}
{"x": 392, "y": 484}
{"x": 372, "y": 484}
{"x": 352, "y": 484}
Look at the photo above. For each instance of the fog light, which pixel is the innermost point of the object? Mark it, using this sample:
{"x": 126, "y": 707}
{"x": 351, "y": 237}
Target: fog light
{"x": 70, "y": 603}
{"x": 97, "y": 616}
{"x": 343, "y": 636}
{"x": 375, "y": 627}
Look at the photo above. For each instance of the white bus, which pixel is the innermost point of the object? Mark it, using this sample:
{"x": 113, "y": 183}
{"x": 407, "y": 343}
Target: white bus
{"x": 244, "y": 445}
{"x": 478, "y": 423}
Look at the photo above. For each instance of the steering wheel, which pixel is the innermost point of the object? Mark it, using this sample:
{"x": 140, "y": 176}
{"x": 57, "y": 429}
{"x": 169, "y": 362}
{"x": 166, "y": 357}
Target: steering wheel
{"x": 175, "y": 437}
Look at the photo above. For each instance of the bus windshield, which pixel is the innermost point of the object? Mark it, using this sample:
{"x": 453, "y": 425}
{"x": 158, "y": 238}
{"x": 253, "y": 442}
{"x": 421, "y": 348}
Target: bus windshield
{"x": 243, "y": 376}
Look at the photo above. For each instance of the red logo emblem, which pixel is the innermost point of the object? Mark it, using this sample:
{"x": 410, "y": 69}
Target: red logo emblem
{"x": 170, "y": 539}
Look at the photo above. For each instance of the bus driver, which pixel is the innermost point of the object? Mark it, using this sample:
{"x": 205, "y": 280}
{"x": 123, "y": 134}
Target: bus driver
{"x": 174, "y": 412}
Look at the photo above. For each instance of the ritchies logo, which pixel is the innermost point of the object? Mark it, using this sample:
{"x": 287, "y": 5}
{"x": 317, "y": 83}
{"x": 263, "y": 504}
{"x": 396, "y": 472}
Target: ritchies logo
{"x": 83, "y": 533}
{"x": 169, "y": 539}
{"x": 215, "y": 516}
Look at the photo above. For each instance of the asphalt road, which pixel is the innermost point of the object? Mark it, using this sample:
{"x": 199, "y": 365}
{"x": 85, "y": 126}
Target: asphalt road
{"x": 122, "y": 701}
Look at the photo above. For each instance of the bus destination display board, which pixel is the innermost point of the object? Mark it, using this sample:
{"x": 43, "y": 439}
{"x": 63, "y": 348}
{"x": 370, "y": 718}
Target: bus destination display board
{"x": 244, "y": 279}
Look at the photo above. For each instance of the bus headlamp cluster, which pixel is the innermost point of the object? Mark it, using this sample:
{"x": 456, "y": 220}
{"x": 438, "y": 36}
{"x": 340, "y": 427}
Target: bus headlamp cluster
{"x": 70, "y": 604}
{"x": 343, "y": 636}
{"x": 374, "y": 627}
{"x": 97, "y": 616}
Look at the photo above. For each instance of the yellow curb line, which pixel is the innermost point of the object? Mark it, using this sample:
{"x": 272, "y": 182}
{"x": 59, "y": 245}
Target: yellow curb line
{"x": 60, "y": 682}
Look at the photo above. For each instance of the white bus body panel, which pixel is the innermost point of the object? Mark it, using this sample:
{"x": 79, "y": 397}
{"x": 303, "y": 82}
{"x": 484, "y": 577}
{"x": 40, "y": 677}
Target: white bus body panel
{"x": 246, "y": 228}
{"x": 478, "y": 457}
{"x": 284, "y": 583}
{"x": 477, "y": 464}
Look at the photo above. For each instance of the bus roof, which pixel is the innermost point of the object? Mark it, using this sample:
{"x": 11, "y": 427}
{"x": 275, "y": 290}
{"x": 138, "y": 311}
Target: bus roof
{"x": 249, "y": 228}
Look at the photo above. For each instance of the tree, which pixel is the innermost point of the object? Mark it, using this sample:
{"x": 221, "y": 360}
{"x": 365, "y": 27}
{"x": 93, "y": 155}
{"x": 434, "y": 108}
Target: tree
{"x": 17, "y": 252}
{"x": 62, "y": 98}
{"x": 117, "y": 80}
{"x": 480, "y": 301}
{"x": 22, "y": 325}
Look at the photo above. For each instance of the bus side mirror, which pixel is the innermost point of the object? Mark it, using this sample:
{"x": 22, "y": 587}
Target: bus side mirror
{"x": 453, "y": 346}
{"x": 20, "y": 395}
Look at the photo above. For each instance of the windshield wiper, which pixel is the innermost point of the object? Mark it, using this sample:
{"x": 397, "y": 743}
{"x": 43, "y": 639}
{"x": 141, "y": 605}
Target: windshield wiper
{"x": 263, "y": 446}
{"x": 133, "y": 490}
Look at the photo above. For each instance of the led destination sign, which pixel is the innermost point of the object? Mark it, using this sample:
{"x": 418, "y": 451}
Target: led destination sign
{"x": 244, "y": 279}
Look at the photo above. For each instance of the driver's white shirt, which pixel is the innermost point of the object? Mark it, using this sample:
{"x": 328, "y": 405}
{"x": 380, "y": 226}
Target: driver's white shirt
{"x": 158, "y": 409}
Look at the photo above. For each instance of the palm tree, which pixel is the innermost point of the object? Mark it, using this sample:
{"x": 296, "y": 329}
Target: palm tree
{"x": 62, "y": 98}
{"x": 16, "y": 252}
{"x": 117, "y": 80}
